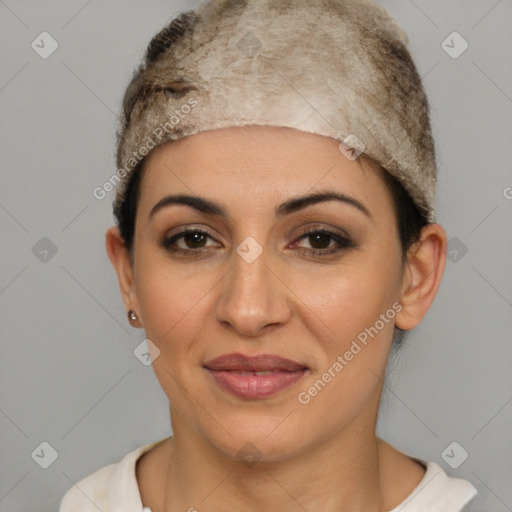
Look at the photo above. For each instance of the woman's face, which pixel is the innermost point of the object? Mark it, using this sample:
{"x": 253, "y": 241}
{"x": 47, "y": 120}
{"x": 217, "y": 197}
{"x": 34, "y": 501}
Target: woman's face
{"x": 254, "y": 285}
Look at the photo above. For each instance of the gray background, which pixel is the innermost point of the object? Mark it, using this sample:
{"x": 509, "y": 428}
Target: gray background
{"x": 68, "y": 373}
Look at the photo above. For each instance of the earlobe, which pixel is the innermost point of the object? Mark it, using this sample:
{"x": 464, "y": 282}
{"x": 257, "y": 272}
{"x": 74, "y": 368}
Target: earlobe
{"x": 120, "y": 259}
{"x": 422, "y": 276}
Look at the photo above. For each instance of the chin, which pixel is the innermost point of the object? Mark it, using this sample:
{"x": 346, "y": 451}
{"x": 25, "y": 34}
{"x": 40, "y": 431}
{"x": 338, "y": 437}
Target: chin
{"x": 256, "y": 437}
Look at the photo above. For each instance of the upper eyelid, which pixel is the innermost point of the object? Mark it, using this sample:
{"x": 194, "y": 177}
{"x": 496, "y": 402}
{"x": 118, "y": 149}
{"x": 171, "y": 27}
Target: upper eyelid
{"x": 323, "y": 229}
{"x": 313, "y": 227}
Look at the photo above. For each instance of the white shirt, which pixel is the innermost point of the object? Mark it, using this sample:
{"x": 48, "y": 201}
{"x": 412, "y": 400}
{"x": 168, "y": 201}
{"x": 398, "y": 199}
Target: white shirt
{"x": 114, "y": 488}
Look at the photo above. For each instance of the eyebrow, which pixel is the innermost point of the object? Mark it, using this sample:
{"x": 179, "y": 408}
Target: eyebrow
{"x": 289, "y": 206}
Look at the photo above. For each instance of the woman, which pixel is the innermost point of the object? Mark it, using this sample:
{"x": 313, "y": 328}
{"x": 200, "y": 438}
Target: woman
{"x": 275, "y": 233}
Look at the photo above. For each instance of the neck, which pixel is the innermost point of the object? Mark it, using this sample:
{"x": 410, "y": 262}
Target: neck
{"x": 340, "y": 474}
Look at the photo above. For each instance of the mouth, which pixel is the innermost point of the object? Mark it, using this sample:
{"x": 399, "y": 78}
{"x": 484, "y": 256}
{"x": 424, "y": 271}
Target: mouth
{"x": 253, "y": 377}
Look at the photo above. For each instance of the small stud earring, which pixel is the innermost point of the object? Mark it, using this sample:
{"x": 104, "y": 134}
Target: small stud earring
{"x": 132, "y": 317}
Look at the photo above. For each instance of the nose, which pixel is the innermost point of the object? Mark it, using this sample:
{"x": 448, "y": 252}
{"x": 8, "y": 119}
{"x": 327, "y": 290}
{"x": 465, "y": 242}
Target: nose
{"x": 253, "y": 298}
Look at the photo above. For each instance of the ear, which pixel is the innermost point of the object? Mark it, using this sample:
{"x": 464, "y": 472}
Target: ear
{"x": 120, "y": 259}
{"x": 423, "y": 271}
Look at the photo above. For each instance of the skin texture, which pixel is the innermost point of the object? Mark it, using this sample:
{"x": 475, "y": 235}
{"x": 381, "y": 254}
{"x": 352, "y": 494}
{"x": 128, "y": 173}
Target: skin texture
{"x": 320, "y": 456}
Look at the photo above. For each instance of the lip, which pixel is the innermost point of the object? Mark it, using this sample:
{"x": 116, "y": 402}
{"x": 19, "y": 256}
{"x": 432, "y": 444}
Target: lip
{"x": 236, "y": 373}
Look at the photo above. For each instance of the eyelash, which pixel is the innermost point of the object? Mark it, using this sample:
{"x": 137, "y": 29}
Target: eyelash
{"x": 343, "y": 242}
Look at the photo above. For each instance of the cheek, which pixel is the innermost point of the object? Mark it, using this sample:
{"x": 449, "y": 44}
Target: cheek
{"x": 169, "y": 296}
{"x": 358, "y": 311}
{"x": 353, "y": 361}
{"x": 347, "y": 298}
{"x": 356, "y": 304}
{"x": 172, "y": 309}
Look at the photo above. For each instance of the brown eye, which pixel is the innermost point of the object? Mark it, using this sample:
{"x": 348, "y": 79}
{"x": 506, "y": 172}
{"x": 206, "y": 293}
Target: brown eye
{"x": 320, "y": 240}
{"x": 193, "y": 240}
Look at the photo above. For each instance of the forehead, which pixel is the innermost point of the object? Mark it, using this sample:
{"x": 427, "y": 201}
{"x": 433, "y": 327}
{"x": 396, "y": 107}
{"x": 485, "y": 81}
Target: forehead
{"x": 253, "y": 168}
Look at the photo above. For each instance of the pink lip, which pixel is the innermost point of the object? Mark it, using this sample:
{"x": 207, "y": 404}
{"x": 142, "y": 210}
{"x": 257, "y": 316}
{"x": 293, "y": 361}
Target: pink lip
{"x": 226, "y": 372}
